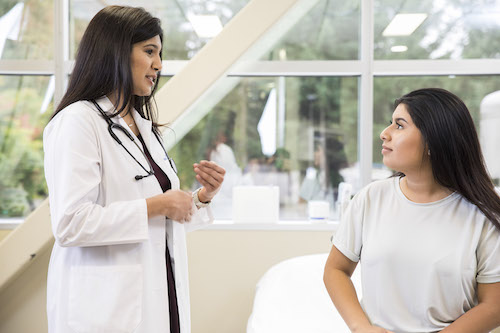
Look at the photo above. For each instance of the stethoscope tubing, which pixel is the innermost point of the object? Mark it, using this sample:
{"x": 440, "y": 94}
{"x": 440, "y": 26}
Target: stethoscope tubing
{"x": 112, "y": 125}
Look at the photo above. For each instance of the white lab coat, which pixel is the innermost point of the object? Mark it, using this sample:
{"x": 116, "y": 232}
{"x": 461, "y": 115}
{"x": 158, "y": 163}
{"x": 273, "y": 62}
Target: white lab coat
{"x": 107, "y": 271}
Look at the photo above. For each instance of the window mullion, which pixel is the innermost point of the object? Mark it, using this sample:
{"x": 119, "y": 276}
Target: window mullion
{"x": 366, "y": 93}
{"x": 61, "y": 45}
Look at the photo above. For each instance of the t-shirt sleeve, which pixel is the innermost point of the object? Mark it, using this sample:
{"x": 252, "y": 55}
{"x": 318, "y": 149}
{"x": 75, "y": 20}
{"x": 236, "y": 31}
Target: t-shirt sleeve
{"x": 348, "y": 238}
{"x": 488, "y": 255}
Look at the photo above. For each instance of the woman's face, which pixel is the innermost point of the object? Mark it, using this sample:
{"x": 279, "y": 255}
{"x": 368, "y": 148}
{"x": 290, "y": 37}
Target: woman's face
{"x": 403, "y": 146}
{"x": 145, "y": 62}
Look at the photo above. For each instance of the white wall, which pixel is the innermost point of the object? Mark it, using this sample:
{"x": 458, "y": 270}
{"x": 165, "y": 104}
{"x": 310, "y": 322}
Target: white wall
{"x": 224, "y": 268}
{"x": 22, "y": 303}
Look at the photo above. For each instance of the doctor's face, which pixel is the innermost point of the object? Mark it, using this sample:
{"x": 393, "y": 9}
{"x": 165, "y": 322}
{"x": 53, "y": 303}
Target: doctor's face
{"x": 145, "y": 62}
{"x": 403, "y": 145}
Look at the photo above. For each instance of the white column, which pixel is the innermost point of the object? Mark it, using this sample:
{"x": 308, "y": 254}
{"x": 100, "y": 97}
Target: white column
{"x": 365, "y": 119}
{"x": 61, "y": 48}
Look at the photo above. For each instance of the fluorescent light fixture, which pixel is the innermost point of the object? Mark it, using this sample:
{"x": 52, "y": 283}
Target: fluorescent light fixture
{"x": 399, "y": 48}
{"x": 404, "y": 24}
{"x": 206, "y": 26}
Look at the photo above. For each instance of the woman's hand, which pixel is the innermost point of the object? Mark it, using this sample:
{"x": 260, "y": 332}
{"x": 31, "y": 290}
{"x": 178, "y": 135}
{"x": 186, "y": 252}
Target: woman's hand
{"x": 175, "y": 204}
{"x": 210, "y": 175}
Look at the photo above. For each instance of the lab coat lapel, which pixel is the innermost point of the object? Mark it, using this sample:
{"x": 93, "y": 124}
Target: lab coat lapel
{"x": 144, "y": 127}
{"x": 131, "y": 145}
{"x": 154, "y": 147}
{"x": 165, "y": 163}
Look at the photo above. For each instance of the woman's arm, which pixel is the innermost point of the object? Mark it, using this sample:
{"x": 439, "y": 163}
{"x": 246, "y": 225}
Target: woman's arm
{"x": 337, "y": 278}
{"x": 483, "y": 317}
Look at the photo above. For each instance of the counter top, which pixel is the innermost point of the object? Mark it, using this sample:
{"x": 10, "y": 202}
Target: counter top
{"x": 290, "y": 225}
{"x": 284, "y": 225}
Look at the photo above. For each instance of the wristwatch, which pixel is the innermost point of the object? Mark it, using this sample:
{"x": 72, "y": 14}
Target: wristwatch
{"x": 197, "y": 201}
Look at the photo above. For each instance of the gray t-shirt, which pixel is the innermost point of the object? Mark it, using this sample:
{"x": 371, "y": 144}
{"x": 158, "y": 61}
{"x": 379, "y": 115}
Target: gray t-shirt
{"x": 420, "y": 262}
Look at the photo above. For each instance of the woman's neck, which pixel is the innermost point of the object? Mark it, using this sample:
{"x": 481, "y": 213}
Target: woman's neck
{"x": 422, "y": 187}
{"x": 113, "y": 97}
{"x": 125, "y": 114}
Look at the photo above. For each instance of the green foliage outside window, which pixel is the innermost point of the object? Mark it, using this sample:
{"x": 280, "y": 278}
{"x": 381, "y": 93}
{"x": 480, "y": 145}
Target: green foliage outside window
{"x": 22, "y": 181}
{"x": 36, "y": 33}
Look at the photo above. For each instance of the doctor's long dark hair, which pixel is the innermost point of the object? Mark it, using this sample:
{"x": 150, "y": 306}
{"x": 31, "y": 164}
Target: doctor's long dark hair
{"x": 455, "y": 153}
{"x": 102, "y": 64}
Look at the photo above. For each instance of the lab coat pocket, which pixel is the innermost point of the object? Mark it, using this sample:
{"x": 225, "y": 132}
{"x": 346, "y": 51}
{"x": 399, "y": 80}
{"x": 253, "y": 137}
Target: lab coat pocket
{"x": 105, "y": 299}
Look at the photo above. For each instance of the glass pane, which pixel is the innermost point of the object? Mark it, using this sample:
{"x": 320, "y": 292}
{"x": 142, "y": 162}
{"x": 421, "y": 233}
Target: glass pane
{"x": 181, "y": 41}
{"x": 297, "y": 133}
{"x": 26, "y": 29}
{"x": 471, "y": 89}
{"x": 451, "y": 29}
{"x": 25, "y": 109}
{"x": 330, "y": 31}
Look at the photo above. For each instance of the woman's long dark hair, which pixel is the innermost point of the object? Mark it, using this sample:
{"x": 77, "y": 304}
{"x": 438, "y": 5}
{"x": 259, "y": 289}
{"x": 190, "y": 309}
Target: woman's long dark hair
{"x": 102, "y": 64}
{"x": 455, "y": 153}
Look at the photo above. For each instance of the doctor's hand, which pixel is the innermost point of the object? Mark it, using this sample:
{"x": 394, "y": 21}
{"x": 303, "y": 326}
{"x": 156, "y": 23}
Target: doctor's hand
{"x": 210, "y": 175}
{"x": 175, "y": 204}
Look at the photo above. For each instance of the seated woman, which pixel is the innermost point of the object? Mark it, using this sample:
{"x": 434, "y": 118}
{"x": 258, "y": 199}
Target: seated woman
{"x": 428, "y": 238}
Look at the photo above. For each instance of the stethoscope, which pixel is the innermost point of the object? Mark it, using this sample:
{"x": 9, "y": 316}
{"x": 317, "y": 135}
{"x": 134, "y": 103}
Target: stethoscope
{"x": 112, "y": 126}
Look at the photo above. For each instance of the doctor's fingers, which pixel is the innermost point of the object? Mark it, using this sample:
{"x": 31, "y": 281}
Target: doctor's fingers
{"x": 210, "y": 167}
{"x": 178, "y": 204}
{"x": 210, "y": 183}
{"x": 210, "y": 176}
{"x": 188, "y": 216}
{"x": 182, "y": 216}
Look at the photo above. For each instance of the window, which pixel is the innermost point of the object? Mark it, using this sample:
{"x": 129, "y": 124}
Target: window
{"x": 24, "y": 111}
{"x": 327, "y": 89}
{"x": 297, "y": 133}
{"x": 26, "y": 30}
{"x": 179, "y": 19}
{"x": 450, "y": 29}
{"x": 329, "y": 31}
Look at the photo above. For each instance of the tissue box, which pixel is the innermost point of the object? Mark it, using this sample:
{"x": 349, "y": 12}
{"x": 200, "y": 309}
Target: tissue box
{"x": 256, "y": 204}
{"x": 318, "y": 210}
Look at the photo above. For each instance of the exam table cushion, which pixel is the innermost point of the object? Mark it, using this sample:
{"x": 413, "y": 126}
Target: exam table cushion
{"x": 291, "y": 297}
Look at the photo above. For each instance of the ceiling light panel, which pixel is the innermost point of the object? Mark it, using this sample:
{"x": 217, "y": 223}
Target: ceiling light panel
{"x": 206, "y": 26}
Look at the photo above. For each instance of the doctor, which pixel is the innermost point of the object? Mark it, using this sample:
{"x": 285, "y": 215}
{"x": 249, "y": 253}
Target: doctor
{"x": 119, "y": 219}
